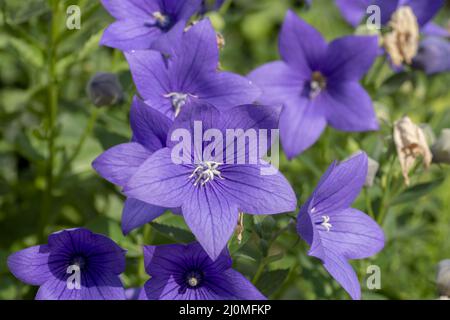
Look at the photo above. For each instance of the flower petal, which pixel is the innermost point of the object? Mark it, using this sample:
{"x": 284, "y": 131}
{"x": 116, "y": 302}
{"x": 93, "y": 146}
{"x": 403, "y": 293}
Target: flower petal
{"x": 257, "y": 189}
{"x": 353, "y": 11}
{"x": 137, "y": 213}
{"x": 226, "y": 90}
{"x": 340, "y": 185}
{"x": 31, "y": 265}
{"x": 130, "y": 9}
{"x": 425, "y": 10}
{"x": 127, "y": 35}
{"x": 349, "y": 58}
{"x": 277, "y": 81}
{"x": 150, "y": 75}
{"x": 211, "y": 217}
{"x": 302, "y": 122}
{"x": 240, "y": 287}
{"x": 353, "y": 234}
{"x": 121, "y": 162}
{"x": 349, "y": 107}
{"x": 150, "y": 127}
{"x": 301, "y": 46}
{"x": 159, "y": 181}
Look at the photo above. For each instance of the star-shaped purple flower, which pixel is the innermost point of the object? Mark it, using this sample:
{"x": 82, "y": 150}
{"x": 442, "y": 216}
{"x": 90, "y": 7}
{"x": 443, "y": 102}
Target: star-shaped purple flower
{"x": 120, "y": 163}
{"x": 209, "y": 189}
{"x": 96, "y": 259}
{"x": 355, "y": 10}
{"x": 186, "y": 272}
{"x": 141, "y": 24}
{"x": 336, "y": 232}
{"x": 317, "y": 83}
{"x": 190, "y": 75}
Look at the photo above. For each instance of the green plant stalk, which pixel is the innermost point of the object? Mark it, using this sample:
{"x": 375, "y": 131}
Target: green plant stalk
{"x": 52, "y": 114}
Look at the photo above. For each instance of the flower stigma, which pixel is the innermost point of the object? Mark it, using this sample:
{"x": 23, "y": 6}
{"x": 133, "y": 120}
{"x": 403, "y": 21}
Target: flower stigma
{"x": 317, "y": 84}
{"x": 178, "y": 100}
{"x": 206, "y": 172}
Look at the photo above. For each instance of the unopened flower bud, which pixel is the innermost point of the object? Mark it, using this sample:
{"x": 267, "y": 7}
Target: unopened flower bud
{"x": 104, "y": 89}
{"x": 372, "y": 170}
{"x": 443, "y": 278}
{"x": 441, "y": 148}
{"x": 433, "y": 55}
{"x": 411, "y": 143}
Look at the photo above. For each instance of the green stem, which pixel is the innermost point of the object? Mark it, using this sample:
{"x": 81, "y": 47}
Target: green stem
{"x": 259, "y": 271}
{"x": 52, "y": 113}
{"x": 368, "y": 202}
{"x": 84, "y": 136}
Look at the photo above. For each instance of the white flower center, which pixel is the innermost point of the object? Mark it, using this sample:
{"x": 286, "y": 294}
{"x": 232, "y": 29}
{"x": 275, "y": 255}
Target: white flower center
{"x": 162, "y": 20}
{"x": 317, "y": 84}
{"x": 206, "y": 172}
{"x": 326, "y": 223}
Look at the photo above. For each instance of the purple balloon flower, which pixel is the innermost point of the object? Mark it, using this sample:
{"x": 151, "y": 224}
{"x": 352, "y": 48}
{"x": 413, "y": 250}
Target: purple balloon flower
{"x": 141, "y": 24}
{"x": 186, "y": 272}
{"x": 433, "y": 55}
{"x": 76, "y": 264}
{"x": 318, "y": 84}
{"x": 190, "y": 75}
{"x": 355, "y": 10}
{"x": 120, "y": 163}
{"x": 210, "y": 190}
{"x": 336, "y": 232}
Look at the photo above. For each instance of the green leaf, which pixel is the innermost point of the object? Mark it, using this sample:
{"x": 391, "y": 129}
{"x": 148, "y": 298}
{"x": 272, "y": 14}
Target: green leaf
{"x": 27, "y": 52}
{"x": 270, "y": 281}
{"x": 174, "y": 233}
{"x": 413, "y": 193}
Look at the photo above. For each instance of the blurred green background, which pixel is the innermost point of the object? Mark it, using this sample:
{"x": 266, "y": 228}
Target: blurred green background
{"x": 50, "y": 133}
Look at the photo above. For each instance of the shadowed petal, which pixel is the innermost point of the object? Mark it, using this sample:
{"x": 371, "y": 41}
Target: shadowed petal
{"x": 150, "y": 127}
{"x": 31, "y": 265}
{"x": 211, "y": 217}
{"x": 257, "y": 189}
{"x": 432, "y": 29}
{"x": 127, "y": 35}
{"x": 349, "y": 107}
{"x": 350, "y": 58}
{"x": 137, "y": 213}
{"x": 241, "y": 287}
{"x": 302, "y": 122}
{"x": 301, "y": 46}
{"x": 277, "y": 81}
{"x": 425, "y": 10}
{"x": 353, "y": 11}
{"x": 159, "y": 181}
{"x": 120, "y": 163}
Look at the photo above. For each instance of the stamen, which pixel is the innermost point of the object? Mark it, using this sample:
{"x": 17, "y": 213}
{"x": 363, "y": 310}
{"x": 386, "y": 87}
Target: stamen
{"x": 194, "y": 278}
{"x": 326, "y": 223}
{"x": 206, "y": 172}
{"x": 317, "y": 84}
{"x": 163, "y": 21}
{"x": 178, "y": 100}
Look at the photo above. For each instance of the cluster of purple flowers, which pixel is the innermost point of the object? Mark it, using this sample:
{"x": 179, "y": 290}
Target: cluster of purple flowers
{"x": 175, "y": 67}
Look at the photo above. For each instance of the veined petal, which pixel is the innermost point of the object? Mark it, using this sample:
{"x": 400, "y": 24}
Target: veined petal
{"x": 150, "y": 127}
{"x": 137, "y": 213}
{"x": 127, "y": 35}
{"x": 159, "y": 181}
{"x": 349, "y": 107}
{"x": 350, "y": 58}
{"x": 241, "y": 287}
{"x": 31, "y": 265}
{"x": 339, "y": 186}
{"x": 277, "y": 81}
{"x": 353, "y": 234}
{"x": 257, "y": 189}
{"x": 226, "y": 89}
{"x": 211, "y": 216}
{"x": 302, "y": 122}
{"x": 301, "y": 46}
{"x": 121, "y": 162}
{"x": 151, "y": 77}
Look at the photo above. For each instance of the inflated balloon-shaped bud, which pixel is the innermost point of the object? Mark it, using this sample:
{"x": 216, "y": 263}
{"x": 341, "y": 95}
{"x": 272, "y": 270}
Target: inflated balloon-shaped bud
{"x": 104, "y": 89}
{"x": 441, "y": 148}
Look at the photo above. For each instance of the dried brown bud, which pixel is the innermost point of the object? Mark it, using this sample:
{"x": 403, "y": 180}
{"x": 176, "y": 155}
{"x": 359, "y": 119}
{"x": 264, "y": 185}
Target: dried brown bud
{"x": 411, "y": 143}
{"x": 402, "y": 42}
